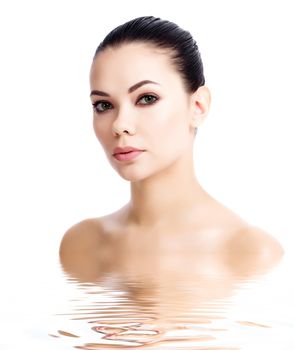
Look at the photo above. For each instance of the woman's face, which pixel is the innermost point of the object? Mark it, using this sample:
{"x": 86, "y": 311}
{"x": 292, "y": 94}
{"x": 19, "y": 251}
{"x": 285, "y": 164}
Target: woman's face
{"x": 154, "y": 117}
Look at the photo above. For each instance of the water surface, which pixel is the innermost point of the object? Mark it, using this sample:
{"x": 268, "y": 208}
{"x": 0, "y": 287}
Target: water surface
{"x": 176, "y": 305}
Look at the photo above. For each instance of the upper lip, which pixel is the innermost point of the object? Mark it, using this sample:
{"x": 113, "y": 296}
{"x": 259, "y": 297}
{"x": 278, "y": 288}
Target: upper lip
{"x": 125, "y": 149}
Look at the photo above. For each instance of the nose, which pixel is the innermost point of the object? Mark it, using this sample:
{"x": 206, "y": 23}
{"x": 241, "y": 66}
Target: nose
{"x": 122, "y": 124}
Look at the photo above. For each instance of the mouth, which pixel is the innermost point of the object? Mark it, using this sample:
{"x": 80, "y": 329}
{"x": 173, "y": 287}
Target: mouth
{"x": 126, "y": 156}
{"x": 127, "y": 152}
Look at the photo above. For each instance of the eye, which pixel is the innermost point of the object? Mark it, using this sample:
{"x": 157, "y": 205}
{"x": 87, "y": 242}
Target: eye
{"x": 149, "y": 99}
{"x": 101, "y": 106}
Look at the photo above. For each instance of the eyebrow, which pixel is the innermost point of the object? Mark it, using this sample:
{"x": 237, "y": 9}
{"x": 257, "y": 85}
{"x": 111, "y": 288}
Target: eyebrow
{"x": 131, "y": 89}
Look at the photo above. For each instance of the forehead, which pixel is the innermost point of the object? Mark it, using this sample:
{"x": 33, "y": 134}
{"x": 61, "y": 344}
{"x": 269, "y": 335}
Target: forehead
{"x": 132, "y": 62}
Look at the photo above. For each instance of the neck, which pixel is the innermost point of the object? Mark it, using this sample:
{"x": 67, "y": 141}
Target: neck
{"x": 167, "y": 196}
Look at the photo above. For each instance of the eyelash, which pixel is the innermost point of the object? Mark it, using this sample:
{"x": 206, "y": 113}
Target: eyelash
{"x": 95, "y": 104}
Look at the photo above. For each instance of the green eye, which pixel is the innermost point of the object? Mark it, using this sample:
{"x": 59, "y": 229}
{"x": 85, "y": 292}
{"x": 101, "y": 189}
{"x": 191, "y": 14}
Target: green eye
{"x": 149, "y": 99}
{"x": 101, "y": 106}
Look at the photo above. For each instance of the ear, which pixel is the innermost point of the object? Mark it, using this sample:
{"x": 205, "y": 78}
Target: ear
{"x": 200, "y": 104}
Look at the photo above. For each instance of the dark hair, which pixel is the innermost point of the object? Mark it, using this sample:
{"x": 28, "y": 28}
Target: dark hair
{"x": 182, "y": 48}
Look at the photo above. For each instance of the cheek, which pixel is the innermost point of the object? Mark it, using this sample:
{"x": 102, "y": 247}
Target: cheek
{"x": 101, "y": 134}
{"x": 168, "y": 129}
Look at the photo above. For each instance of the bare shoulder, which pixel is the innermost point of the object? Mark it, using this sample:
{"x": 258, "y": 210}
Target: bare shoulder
{"x": 90, "y": 238}
{"x": 253, "y": 248}
{"x": 247, "y": 239}
{"x": 252, "y": 239}
{"x": 82, "y": 250}
{"x": 81, "y": 237}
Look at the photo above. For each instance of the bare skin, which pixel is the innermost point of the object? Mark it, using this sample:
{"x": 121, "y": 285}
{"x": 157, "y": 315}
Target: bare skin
{"x": 96, "y": 246}
{"x": 166, "y": 274}
{"x": 170, "y": 219}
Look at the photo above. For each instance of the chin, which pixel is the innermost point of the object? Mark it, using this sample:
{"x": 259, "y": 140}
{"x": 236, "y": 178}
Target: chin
{"x": 133, "y": 175}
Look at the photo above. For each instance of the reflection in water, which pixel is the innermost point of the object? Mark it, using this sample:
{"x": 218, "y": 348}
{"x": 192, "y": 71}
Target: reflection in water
{"x": 179, "y": 301}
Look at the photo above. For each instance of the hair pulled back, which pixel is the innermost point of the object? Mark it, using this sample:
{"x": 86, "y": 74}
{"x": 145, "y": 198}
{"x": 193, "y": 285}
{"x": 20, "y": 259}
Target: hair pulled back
{"x": 182, "y": 48}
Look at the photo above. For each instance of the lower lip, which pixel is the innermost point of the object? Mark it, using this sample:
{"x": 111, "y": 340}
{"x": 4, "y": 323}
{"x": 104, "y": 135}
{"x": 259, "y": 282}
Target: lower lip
{"x": 127, "y": 156}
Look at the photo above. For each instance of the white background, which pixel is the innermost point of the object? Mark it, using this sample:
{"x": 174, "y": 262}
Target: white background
{"x": 53, "y": 170}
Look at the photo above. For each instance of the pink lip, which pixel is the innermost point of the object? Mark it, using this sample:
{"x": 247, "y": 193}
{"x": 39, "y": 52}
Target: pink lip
{"x": 125, "y": 149}
{"x": 127, "y": 156}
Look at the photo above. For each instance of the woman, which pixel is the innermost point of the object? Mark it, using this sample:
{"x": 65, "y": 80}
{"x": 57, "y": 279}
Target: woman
{"x": 149, "y": 98}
